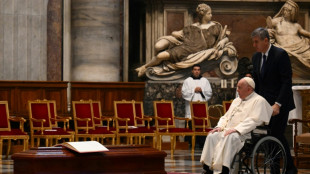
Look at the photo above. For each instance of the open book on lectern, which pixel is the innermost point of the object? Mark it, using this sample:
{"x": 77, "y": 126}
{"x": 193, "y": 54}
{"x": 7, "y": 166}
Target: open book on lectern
{"x": 84, "y": 146}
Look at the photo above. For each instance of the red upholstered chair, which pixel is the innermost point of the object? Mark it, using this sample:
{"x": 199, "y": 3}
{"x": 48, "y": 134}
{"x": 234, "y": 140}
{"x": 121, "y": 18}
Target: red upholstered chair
{"x": 126, "y": 125}
{"x": 6, "y": 133}
{"x": 141, "y": 119}
{"x": 165, "y": 123}
{"x": 83, "y": 115}
{"x": 226, "y": 105}
{"x": 41, "y": 126}
{"x": 55, "y": 118}
{"x": 201, "y": 124}
{"x": 99, "y": 119}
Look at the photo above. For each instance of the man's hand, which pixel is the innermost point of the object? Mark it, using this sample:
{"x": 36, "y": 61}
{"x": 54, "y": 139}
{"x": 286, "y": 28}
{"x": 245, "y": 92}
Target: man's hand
{"x": 198, "y": 89}
{"x": 229, "y": 131}
{"x": 276, "y": 109}
{"x": 218, "y": 129}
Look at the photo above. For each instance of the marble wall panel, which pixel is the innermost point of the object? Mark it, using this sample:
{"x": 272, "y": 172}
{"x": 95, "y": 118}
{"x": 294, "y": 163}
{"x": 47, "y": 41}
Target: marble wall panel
{"x": 241, "y": 27}
{"x": 54, "y": 40}
{"x": 8, "y": 46}
{"x": 28, "y": 52}
{"x": 15, "y": 44}
{"x": 35, "y": 48}
{"x": 23, "y": 39}
{"x": 43, "y": 50}
{"x": 36, "y": 7}
{"x": 21, "y": 7}
{"x": 7, "y": 6}
{"x": 1, "y": 45}
{"x": 95, "y": 40}
{"x": 175, "y": 21}
{"x": 22, "y": 47}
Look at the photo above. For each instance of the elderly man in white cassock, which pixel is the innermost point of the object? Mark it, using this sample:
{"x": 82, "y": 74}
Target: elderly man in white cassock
{"x": 227, "y": 138}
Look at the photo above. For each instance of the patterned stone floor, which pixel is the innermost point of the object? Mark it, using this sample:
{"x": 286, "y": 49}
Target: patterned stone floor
{"x": 183, "y": 162}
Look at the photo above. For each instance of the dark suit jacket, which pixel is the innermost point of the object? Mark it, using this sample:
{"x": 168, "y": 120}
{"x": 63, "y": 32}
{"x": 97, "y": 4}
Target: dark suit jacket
{"x": 276, "y": 84}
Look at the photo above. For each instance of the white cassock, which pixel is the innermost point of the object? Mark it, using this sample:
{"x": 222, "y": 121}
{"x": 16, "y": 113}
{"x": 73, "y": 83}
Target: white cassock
{"x": 188, "y": 92}
{"x": 244, "y": 116}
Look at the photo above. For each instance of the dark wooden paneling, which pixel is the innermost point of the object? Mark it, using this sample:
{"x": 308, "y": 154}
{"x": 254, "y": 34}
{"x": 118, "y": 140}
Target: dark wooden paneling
{"x": 6, "y": 95}
{"x": 58, "y": 95}
{"x": 107, "y": 92}
{"x": 17, "y": 93}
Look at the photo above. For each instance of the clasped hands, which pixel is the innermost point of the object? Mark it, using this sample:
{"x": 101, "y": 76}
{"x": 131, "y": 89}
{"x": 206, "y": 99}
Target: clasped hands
{"x": 227, "y": 132}
{"x": 198, "y": 90}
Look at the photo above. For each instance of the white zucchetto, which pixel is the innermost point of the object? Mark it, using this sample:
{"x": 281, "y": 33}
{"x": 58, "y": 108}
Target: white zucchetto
{"x": 250, "y": 81}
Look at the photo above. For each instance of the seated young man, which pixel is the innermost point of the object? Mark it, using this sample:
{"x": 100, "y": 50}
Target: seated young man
{"x": 227, "y": 138}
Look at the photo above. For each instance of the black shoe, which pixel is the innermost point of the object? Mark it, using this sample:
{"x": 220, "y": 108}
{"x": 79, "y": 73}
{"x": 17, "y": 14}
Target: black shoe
{"x": 225, "y": 170}
{"x": 207, "y": 170}
{"x": 292, "y": 171}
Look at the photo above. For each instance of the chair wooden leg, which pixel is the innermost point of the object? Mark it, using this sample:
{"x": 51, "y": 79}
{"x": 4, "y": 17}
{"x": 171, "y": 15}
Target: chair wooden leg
{"x": 9, "y": 148}
{"x": 159, "y": 142}
{"x": 118, "y": 140}
{"x": 25, "y": 144}
{"x": 51, "y": 142}
{"x": 154, "y": 142}
{"x": 193, "y": 143}
{"x": 38, "y": 142}
{"x": 296, "y": 159}
{"x": 138, "y": 140}
{"x": 113, "y": 141}
{"x": 1, "y": 145}
{"x": 172, "y": 142}
{"x": 46, "y": 142}
{"x": 32, "y": 141}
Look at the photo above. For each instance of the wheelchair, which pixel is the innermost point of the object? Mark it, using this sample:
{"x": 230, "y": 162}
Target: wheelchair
{"x": 261, "y": 154}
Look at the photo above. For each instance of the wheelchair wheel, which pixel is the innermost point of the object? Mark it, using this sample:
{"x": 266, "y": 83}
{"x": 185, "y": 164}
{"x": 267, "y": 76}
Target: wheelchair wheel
{"x": 268, "y": 156}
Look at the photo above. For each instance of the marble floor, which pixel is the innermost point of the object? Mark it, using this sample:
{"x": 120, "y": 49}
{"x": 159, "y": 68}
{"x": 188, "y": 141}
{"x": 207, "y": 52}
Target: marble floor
{"x": 183, "y": 162}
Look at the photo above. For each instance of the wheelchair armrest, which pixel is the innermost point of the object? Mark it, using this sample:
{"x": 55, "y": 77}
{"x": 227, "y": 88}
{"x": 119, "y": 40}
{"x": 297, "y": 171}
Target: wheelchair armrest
{"x": 263, "y": 127}
{"x": 260, "y": 130}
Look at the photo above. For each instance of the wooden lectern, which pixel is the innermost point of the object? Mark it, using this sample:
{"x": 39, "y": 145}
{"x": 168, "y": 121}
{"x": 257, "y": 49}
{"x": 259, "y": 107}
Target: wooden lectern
{"x": 119, "y": 159}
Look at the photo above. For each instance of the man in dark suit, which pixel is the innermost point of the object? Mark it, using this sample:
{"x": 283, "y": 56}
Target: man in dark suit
{"x": 272, "y": 73}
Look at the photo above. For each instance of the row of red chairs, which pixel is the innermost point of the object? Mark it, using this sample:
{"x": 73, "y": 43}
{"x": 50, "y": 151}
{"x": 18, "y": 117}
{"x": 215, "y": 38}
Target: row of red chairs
{"x": 129, "y": 122}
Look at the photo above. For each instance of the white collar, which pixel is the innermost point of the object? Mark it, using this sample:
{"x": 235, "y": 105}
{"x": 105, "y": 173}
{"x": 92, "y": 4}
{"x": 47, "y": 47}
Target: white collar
{"x": 267, "y": 52}
{"x": 249, "y": 96}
